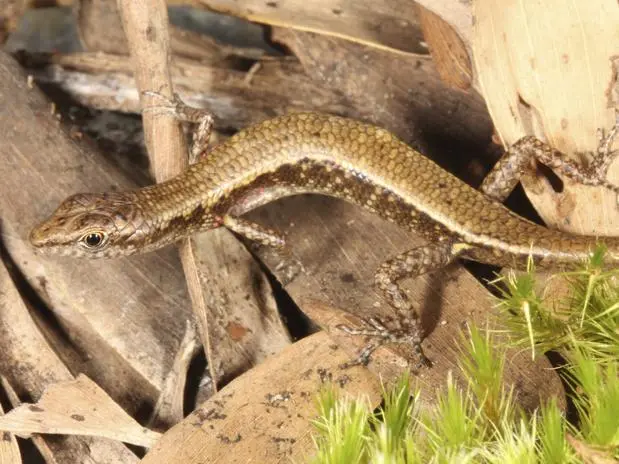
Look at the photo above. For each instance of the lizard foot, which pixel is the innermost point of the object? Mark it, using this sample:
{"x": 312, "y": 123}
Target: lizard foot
{"x": 605, "y": 155}
{"x": 287, "y": 267}
{"x": 180, "y": 110}
{"x": 173, "y": 106}
{"x": 407, "y": 332}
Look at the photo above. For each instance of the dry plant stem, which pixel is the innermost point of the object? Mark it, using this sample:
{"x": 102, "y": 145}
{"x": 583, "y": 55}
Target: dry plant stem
{"x": 169, "y": 407}
{"x": 146, "y": 23}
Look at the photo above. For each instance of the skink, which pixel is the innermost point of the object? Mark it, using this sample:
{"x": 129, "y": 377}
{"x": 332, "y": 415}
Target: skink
{"x": 357, "y": 162}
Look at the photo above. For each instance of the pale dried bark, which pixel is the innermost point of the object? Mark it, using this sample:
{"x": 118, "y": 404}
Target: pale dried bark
{"x": 29, "y": 365}
{"x": 556, "y": 83}
{"x": 77, "y": 407}
{"x": 278, "y": 86}
{"x": 9, "y": 449}
{"x": 264, "y": 415}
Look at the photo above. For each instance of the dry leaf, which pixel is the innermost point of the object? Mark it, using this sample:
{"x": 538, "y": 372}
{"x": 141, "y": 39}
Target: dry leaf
{"x": 449, "y": 52}
{"x": 264, "y": 415}
{"x": 37, "y": 440}
{"x": 389, "y": 25}
{"x": 9, "y": 450}
{"x": 545, "y": 68}
{"x": 77, "y": 407}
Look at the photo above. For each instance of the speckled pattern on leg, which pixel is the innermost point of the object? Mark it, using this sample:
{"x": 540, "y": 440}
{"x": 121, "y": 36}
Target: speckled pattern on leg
{"x": 504, "y": 176}
{"x": 406, "y": 327}
{"x": 255, "y": 232}
{"x": 412, "y": 263}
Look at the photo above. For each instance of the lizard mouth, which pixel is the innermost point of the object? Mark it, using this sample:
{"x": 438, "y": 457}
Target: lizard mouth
{"x": 39, "y": 236}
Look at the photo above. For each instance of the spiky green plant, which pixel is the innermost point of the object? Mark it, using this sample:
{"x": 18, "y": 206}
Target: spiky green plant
{"x": 587, "y": 318}
{"x": 479, "y": 421}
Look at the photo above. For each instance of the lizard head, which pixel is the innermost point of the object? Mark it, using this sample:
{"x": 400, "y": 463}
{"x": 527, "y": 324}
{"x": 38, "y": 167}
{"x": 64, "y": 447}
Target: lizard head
{"x": 91, "y": 225}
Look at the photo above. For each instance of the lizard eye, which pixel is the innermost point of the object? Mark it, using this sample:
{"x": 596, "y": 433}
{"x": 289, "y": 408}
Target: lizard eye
{"x": 93, "y": 240}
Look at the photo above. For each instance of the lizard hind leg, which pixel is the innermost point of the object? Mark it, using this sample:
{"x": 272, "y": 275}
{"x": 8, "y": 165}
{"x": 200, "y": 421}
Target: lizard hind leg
{"x": 406, "y": 327}
{"x": 504, "y": 176}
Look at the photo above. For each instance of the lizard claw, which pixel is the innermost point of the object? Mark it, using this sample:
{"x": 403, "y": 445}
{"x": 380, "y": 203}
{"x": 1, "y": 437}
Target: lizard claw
{"x": 381, "y": 335}
{"x": 173, "y": 106}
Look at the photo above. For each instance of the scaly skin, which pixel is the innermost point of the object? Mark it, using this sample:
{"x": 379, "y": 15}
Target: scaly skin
{"x": 365, "y": 165}
{"x": 303, "y": 153}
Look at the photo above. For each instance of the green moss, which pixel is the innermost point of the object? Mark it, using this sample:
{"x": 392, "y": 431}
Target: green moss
{"x": 479, "y": 421}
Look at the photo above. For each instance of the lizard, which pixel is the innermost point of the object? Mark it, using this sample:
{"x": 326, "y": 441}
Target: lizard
{"x": 344, "y": 158}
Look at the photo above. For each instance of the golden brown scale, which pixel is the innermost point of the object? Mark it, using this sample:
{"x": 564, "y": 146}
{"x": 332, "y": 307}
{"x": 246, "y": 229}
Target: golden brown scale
{"x": 361, "y": 163}
{"x": 365, "y": 165}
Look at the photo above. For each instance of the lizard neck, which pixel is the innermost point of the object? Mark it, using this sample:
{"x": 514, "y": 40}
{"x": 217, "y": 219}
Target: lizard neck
{"x": 177, "y": 208}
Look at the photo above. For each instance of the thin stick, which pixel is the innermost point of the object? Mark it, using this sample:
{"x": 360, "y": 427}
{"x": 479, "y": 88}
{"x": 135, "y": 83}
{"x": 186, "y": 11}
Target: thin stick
{"x": 146, "y": 26}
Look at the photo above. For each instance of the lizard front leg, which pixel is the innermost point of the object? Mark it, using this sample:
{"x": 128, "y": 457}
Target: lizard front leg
{"x": 204, "y": 120}
{"x": 288, "y": 267}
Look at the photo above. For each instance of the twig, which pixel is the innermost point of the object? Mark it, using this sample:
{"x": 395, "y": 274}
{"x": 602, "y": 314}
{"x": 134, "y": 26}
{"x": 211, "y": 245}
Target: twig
{"x": 146, "y": 26}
